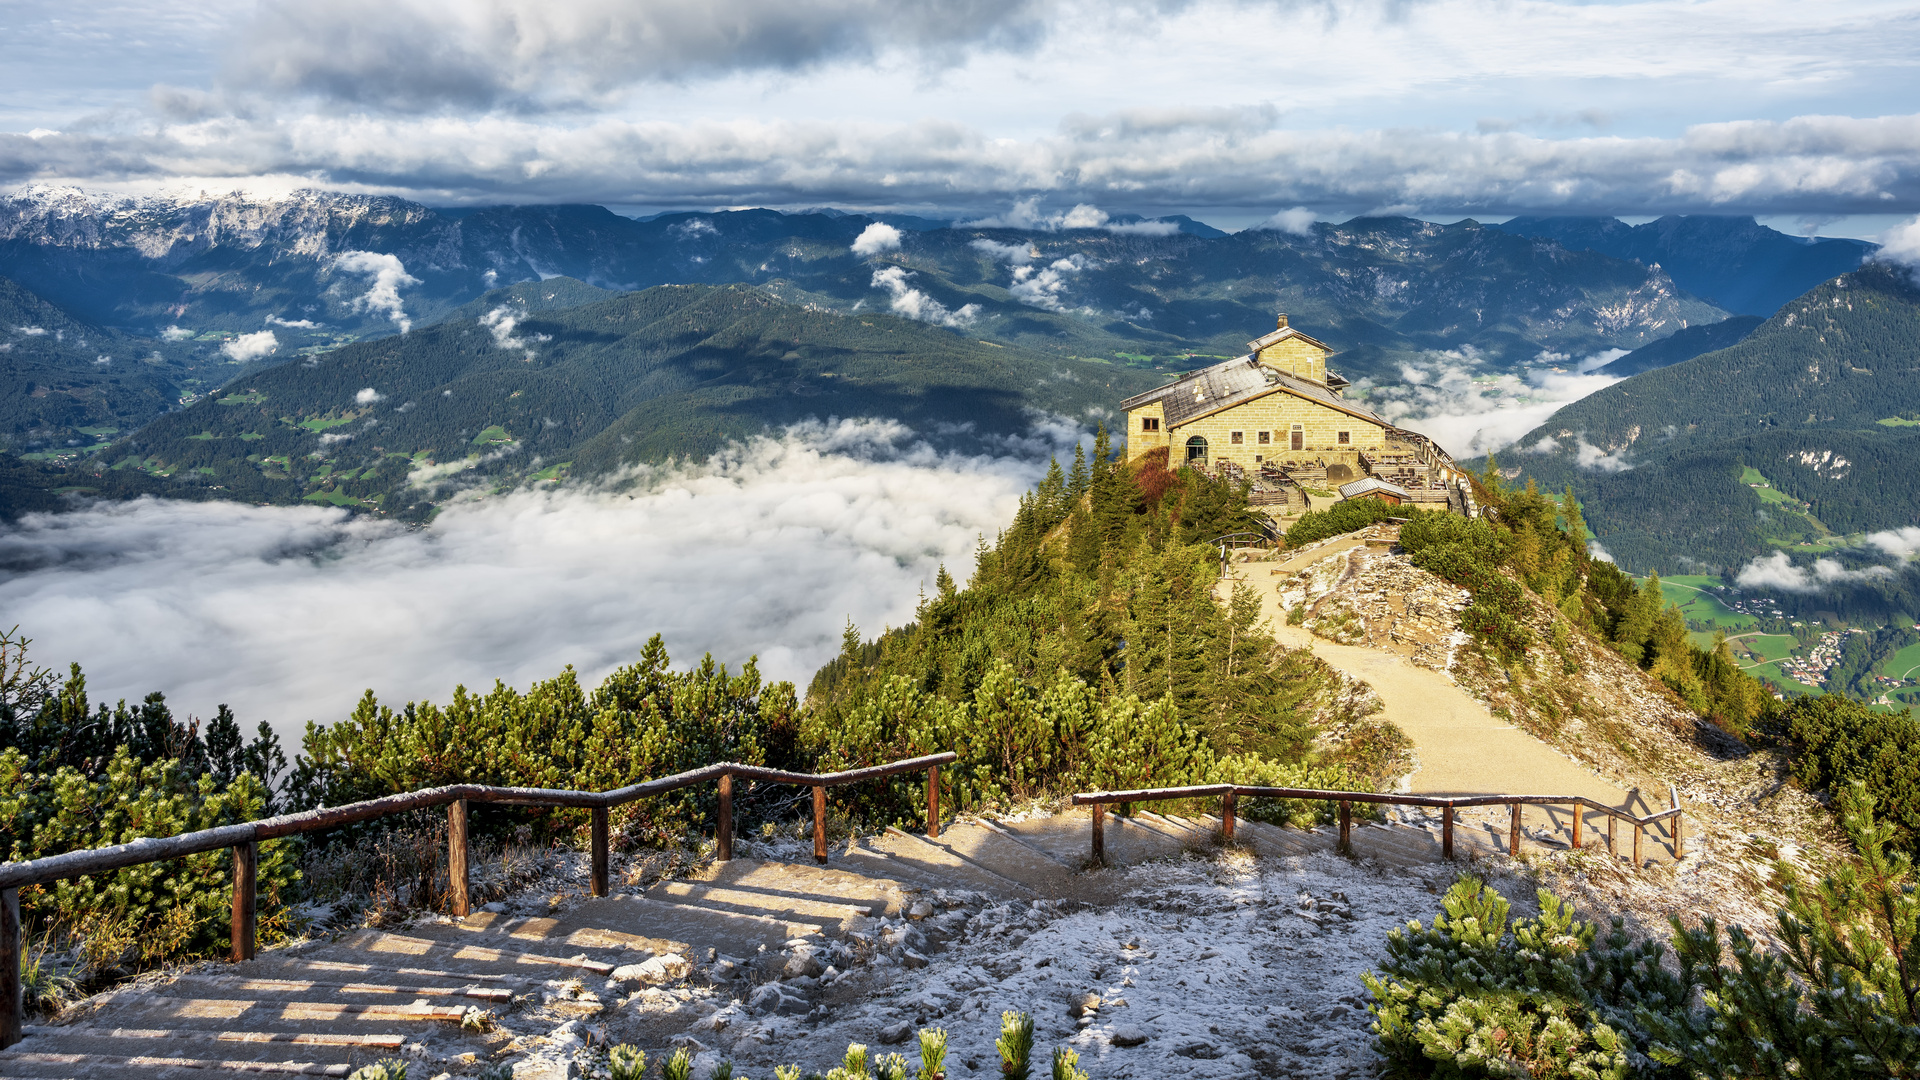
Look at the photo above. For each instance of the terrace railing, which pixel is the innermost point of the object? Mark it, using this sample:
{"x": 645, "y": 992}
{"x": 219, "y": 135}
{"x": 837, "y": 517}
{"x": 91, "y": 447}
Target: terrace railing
{"x": 1229, "y": 794}
{"x": 246, "y": 837}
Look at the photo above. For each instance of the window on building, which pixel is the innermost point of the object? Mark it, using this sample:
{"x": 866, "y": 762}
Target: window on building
{"x": 1345, "y": 438}
{"x": 1257, "y": 458}
{"x": 1149, "y": 423}
{"x": 1266, "y": 438}
{"x": 1299, "y": 434}
{"x": 1197, "y": 451}
{"x": 1236, "y": 438}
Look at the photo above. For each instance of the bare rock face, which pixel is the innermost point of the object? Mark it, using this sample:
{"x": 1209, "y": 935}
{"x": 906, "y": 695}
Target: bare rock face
{"x": 1370, "y": 596}
{"x": 660, "y": 969}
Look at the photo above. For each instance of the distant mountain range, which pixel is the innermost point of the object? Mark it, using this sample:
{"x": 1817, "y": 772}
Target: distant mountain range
{"x": 517, "y": 386}
{"x": 1734, "y": 263}
{"x": 1807, "y": 427}
{"x": 152, "y": 302}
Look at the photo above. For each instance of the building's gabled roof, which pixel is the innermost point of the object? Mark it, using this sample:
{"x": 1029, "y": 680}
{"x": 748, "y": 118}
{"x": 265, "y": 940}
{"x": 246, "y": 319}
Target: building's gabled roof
{"x": 1209, "y": 390}
{"x": 1283, "y": 334}
{"x": 1372, "y": 484}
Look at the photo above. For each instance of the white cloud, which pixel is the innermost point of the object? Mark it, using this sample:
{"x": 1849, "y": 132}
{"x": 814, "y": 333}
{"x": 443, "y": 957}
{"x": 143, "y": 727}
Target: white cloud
{"x": 1903, "y": 544}
{"x": 1454, "y": 398}
{"x": 292, "y": 324}
{"x": 1026, "y": 214}
{"x": 914, "y": 304}
{"x": 175, "y": 333}
{"x": 288, "y": 613}
{"x": 1011, "y": 254}
{"x": 30, "y": 331}
{"x": 876, "y": 238}
{"x": 251, "y": 346}
{"x": 1035, "y": 286}
{"x": 387, "y": 275}
{"x": 368, "y": 396}
{"x": 1777, "y": 571}
{"x": 1298, "y": 221}
{"x": 502, "y": 322}
{"x": 1900, "y": 245}
{"x": 1595, "y": 550}
{"x": 1589, "y": 456}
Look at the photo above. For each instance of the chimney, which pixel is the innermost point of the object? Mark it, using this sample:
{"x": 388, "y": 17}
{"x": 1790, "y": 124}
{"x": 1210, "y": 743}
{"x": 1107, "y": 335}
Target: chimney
{"x": 1283, "y": 320}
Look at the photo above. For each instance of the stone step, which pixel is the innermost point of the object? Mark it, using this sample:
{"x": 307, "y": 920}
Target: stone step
{"x": 791, "y": 892}
{"x": 1005, "y": 854}
{"x": 257, "y": 985}
{"x": 962, "y": 850}
{"x": 624, "y": 923}
{"x": 36, "y": 1063}
{"x": 1066, "y": 837}
{"x": 190, "y": 1035}
{"x": 936, "y": 863}
{"x": 378, "y": 948}
{"x": 161, "y": 1008}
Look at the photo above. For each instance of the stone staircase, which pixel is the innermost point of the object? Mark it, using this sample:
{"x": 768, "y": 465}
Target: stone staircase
{"x": 327, "y": 1006}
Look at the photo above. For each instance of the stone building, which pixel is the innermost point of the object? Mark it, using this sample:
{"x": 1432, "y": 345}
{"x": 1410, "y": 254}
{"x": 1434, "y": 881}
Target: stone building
{"x": 1279, "y": 418}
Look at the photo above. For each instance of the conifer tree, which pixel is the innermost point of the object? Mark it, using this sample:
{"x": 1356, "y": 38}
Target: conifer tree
{"x": 1078, "y": 479}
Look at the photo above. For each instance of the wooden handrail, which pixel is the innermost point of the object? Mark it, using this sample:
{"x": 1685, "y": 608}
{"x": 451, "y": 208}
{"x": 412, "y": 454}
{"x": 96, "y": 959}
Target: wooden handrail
{"x": 1229, "y": 795}
{"x": 245, "y": 836}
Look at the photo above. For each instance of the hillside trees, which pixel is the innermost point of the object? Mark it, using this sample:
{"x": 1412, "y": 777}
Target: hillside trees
{"x": 1086, "y": 650}
{"x": 74, "y": 777}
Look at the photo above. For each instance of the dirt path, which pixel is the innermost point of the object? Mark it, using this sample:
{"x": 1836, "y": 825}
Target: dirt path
{"x": 1462, "y": 748}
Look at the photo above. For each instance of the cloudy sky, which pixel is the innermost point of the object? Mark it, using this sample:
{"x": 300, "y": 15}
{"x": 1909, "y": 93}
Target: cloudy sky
{"x": 1801, "y": 113}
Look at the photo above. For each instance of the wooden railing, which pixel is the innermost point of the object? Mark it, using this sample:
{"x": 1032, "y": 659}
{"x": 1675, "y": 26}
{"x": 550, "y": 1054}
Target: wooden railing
{"x": 245, "y": 838}
{"x": 1229, "y": 794}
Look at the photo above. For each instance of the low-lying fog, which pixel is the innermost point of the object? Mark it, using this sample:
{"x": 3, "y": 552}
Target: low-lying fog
{"x": 288, "y": 614}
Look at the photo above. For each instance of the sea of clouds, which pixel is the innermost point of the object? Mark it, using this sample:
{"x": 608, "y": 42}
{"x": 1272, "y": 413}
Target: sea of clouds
{"x": 288, "y": 614}
{"x": 1466, "y": 405}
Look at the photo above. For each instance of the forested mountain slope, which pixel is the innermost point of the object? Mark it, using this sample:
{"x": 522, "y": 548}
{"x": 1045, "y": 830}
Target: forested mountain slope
{"x": 319, "y": 269}
{"x": 1684, "y": 344}
{"x": 1821, "y": 401}
{"x": 501, "y": 391}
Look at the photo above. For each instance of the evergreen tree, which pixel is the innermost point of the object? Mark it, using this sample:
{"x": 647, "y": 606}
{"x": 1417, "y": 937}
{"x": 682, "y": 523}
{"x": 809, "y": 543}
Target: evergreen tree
{"x": 1078, "y": 480}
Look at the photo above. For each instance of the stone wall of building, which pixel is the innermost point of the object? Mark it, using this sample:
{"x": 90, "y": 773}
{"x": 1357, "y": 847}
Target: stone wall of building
{"x": 1297, "y": 358}
{"x": 1276, "y": 414}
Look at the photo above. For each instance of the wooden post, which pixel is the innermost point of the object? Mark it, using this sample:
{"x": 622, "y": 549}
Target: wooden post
{"x": 820, "y": 824}
{"x": 12, "y": 1005}
{"x": 1346, "y": 827}
{"x": 459, "y": 903}
{"x": 246, "y": 863}
{"x": 1099, "y": 834}
{"x": 723, "y": 835}
{"x": 1637, "y": 830}
{"x": 1579, "y": 812}
{"x": 1679, "y": 845}
{"x": 1446, "y": 832}
{"x": 1612, "y": 848}
{"x": 1513, "y": 832}
{"x": 933, "y": 801}
{"x": 599, "y": 829}
{"x": 1226, "y": 813}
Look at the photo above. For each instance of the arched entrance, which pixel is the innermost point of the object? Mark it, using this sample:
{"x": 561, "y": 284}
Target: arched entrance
{"x": 1197, "y": 452}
